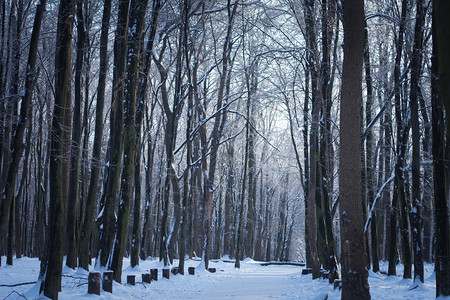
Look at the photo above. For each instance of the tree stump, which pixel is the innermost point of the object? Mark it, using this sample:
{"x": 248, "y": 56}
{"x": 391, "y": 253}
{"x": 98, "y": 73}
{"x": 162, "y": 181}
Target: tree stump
{"x": 131, "y": 279}
{"x": 94, "y": 283}
{"x": 324, "y": 274}
{"x": 175, "y": 270}
{"x": 191, "y": 270}
{"x": 337, "y": 284}
{"x": 212, "y": 270}
{"x": 166, "y": 273}
{"x": 306, "y": 271}
{"x": 154, "y": 273}
{"x": 107, "y": 281}
{"x": 147, "y": 277}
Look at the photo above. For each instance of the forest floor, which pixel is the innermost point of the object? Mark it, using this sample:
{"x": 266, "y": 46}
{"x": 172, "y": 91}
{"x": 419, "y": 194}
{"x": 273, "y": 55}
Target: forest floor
{"x": 251, "y": 281}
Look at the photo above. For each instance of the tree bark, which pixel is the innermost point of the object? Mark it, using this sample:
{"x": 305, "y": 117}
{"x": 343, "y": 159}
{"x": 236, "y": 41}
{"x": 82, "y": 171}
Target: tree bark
{"x": 59, "y": 156}
{"x": 353, "y": 253}
{"x": 441, "y": 99}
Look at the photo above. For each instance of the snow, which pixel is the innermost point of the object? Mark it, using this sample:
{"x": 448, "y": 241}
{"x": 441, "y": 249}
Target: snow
{"x": 251, "y": 281}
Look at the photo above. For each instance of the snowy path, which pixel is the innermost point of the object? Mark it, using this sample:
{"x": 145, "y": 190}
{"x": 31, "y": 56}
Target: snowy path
{"x": 252, "y": 281}
{"x": 255, "y": 282}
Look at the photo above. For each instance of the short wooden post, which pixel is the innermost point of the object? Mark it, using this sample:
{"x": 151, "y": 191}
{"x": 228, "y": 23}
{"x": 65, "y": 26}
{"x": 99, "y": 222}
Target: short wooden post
{"x": 154, "y": 273}
{"x": 337, "y": 284}
{"x": 306, "y": 271}
{"x": 146, "y": 277}
{"x": 107, "y": 281}
{"x": 324, "y": 274}
{"x": 166, "y": 273}
{"x": 175, "y": 270}
{"x": 212, "y": 270}
{"x": 191, "y": 270}
{"x": 131, "y": 279}
{"x": 94, "y": 283}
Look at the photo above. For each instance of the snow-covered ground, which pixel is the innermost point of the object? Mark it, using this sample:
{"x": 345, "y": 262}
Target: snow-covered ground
{"x": 252, "y": 281}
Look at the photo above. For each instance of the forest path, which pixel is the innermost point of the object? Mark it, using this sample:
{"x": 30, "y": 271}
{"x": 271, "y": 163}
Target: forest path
{"x": 251, "y": 281}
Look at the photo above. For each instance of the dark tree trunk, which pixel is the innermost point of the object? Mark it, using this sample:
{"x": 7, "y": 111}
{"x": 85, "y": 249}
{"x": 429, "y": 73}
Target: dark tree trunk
{"x": 114, "y": 160}
{"x": 252, "y": 84}
{"x": 353, "y": 260}
{"x": 12, "y": 142}
{"x": 189, "y": 119}
{"x": 370, "y": 182}
{"x": 240, "y": 229}
{"x": 59, "y": 156}
{"x": 227, "y": 239}
{"x": 142, "y": 100}
{"x": 167, "y": 239}
{"x": 88, "y": 223}
{"x": 440, "y": 99}
{"x": 313, "y": 142}
{"x": 136, "y": 25}
{"x": 416, "y": 174}
{"x": 396, "y": 193}
{"x": 216, "y": 133}
{"x": 14, "y": 102}
{"x": 72, "y": 208}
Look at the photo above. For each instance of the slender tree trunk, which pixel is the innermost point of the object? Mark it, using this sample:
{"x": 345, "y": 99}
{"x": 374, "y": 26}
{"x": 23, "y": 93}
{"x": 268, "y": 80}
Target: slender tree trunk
{"x": 240, "y": 229}
{"x": 396, "y": 193}
{"x": 88, "y": 223}
{"x": 12, "y": 142}
{"x": 313, "y": 142}
{"x": 21, "y": 197}
{"x": 219, "y": 121}
{"x": 189, "y": 120}
{"x": 145, "y": 243}
{"x": 14, "y": 102}
{"x": 370, "y": 183}
{"x": 170, "y": 135}
{"x": 427, "y": 200}
{"x": 416, "y": 174}
{"x": 227, "y": 239}
{"x": 252, "y": 84}
{"x": 72, "y": 208}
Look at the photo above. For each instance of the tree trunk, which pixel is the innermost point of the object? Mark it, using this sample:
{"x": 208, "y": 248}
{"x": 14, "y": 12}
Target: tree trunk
{"x": 227, "y": 239}
{"x": 396, "y": 193}
{"x": 72, "y": 208}
{"x": 441, "y": 69}
{"x": 136, "y": 23}
{"x": 219, "y": 121}
{"x": 189, "y": 119}
{"x": 239, "y": 241}
{"x": 114, "y": 161}
{"x": 59, "y": 157}
{"x": 416, "y": 60}
{"x": 12, "y": 142}
{"x": 88, "y": 223}
{"x": 353, "y": 260}
{"x": 313, "y": 141}
{"x": 370, "y": 182}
